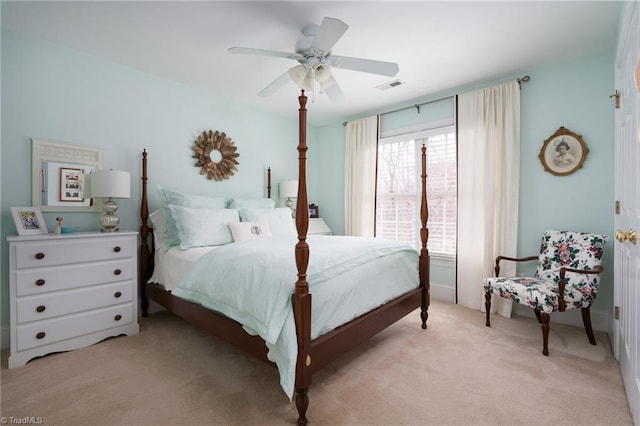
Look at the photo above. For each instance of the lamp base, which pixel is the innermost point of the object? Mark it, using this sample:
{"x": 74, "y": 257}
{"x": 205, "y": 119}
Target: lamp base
{"x": 109, "y": 219}
{"x": 289, "y": 203}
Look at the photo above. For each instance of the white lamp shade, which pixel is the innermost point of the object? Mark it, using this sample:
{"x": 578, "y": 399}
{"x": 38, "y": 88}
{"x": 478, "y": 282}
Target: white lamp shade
{"x": 322, "y": 73}
{"x": 289, "y": 189}
{"x": 300, "y": 75}
{"x": 107, "y": 183}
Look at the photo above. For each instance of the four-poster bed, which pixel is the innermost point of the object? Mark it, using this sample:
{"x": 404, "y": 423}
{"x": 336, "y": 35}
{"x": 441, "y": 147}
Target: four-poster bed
{"x": 313, "y": 352}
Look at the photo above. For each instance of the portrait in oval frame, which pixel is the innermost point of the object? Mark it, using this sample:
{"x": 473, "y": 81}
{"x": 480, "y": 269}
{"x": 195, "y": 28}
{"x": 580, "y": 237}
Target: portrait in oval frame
{"x": 563, "y": 152}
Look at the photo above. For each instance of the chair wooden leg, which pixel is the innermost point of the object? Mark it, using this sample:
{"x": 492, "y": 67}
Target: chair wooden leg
{"x": 487, "y": 306}
{"x": 586, "y": 320}
{"x": 537, "y": 311}
{"x": 545, "y": 334}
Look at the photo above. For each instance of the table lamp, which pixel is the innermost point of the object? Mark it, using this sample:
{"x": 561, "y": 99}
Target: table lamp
{"x": 289, "y": 190}
{"x": 108, "y": 184}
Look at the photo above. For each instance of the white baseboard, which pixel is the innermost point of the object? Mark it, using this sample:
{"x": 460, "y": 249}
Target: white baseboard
{"x": 5, "y": 337}
{"x": 600, "y": 321}
{"x": 442, "y": 292}
{"x": 153, "y": 308}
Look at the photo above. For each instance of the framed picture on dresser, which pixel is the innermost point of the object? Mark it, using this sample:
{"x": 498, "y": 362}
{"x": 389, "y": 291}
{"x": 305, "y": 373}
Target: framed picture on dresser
{"x": 28, "y": 220}
{"x": 313, "y": 211}
{"x": 71, "y": 184}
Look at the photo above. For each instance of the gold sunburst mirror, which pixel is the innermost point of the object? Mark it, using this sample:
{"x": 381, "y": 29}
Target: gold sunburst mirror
{"x": 216, "y": 155}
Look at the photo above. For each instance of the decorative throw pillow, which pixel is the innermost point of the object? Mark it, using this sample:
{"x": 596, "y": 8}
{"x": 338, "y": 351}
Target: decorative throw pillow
{"x": 249, "y": 230}
{"x": 279, "y": 219}
{"x": 203, "y": 227}
{"x": 160, "y": 237}
{"x": 260, "y": 203}
{"x": 168, "y": 197}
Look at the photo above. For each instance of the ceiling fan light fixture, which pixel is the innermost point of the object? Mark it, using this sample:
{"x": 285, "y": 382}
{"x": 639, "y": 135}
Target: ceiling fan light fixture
{"x": 313, "y": 51}
{"x": 322, "y": 73}
{"x": 330, "y": 81}
{"x": 300, "y": 75}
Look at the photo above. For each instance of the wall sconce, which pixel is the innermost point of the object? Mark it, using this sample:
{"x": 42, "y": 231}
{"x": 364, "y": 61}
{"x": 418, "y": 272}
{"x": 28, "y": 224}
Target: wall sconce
{"x": 108, "y": 184}
{"x": 289, "y": 190}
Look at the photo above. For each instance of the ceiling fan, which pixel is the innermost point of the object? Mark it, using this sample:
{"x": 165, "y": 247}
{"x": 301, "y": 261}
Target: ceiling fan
{"x": 313, "y": 52}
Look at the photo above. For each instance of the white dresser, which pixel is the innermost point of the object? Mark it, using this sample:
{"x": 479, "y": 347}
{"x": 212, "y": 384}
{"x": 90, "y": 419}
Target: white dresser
{"x": 317, "y": 226}
{"x": 70, "y": 291}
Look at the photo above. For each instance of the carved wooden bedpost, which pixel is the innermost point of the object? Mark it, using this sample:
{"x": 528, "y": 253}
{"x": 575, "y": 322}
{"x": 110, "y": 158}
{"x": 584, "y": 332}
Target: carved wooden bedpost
{"x": 424, "y": 237}
{"x": 268, "y": 182}
{"x": 301, "y": 299}
{"x": 145, "y": 255}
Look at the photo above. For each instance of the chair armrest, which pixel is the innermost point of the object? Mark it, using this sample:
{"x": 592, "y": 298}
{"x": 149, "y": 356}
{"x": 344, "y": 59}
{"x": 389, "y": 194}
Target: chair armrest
{"x": 562, "y": 305}
{"x": 513, "y": 259}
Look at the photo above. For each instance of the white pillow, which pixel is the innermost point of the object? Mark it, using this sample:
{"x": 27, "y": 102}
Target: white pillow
{"x": 249, "y": 230}
{"x": 279, "y": 219}
{"x": 159, "y": 224}
{"x": 168, "y": 197}
{"x": 260, "y": 203}
{"x": 203, "y": 227}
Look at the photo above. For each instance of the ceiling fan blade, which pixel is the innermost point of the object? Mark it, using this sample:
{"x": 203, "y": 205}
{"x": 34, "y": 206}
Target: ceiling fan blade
{"x": 389, "y": 69}
{"x": 333, "y": 90}
{"x": 264, "y": 52}
{"x": 275, "y": 85}
{"x": 328, "y": 34}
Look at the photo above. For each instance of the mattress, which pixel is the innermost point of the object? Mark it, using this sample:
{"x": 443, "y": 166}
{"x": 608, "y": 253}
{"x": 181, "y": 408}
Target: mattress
{"x": 173, "y": 264}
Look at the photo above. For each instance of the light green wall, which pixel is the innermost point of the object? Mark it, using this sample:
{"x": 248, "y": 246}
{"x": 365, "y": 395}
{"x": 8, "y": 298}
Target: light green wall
{"x": 56, "y": 93}
{"x": 572, "y": 94}
{"x": 432, "y": 112}
{"x": 327, "y": 153}
{"x": 59, "y": 94}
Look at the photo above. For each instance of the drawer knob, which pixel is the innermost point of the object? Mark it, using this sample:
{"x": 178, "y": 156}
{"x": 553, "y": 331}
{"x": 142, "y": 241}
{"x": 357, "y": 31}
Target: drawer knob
{"x": 40, "y": 308}
{"x": 39, "y": 255}
{"x": 117, "y": 249}
{"x": 40, "y": 282}
{"x": 117, "y": 294}
{"x": 117, "y": 317}
{"x": 41, "y": 335}
{"x": 117, "y": 272}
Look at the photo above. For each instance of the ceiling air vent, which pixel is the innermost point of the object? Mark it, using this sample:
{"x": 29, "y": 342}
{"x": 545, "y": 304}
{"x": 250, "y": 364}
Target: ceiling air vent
{"x": 389, "y": 85}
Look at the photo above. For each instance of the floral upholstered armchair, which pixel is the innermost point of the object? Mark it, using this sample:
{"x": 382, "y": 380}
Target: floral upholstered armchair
{"x": 567, "y": 277}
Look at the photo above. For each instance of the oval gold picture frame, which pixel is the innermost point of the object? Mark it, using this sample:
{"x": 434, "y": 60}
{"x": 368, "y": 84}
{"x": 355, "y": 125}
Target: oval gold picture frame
{"x": 563, "y": 152}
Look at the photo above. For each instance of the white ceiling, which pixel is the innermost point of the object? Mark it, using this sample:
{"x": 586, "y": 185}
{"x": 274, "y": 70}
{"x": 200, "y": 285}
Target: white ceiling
{"x": 438, "y": 45}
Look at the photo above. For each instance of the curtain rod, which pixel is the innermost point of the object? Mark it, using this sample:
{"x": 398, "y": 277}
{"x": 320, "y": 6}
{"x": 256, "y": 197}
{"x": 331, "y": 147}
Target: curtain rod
{"x": 417, "y": 106}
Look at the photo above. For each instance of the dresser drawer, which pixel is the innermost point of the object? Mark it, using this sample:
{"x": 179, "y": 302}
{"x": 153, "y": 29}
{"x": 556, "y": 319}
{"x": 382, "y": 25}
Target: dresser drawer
{"x": 35, "y": 308}
{"x": 44, "y": 280}
{"x": 72, "y": 251}
{"x": 45, "y": 332}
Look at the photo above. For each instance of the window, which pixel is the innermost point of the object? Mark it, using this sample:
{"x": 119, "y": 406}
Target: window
{"x": 398, "y": 189}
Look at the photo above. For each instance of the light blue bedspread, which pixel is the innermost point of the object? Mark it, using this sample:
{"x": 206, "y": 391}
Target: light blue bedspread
{"x": 252, "y": 282}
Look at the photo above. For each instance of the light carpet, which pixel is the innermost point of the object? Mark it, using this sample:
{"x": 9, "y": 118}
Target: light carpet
{"x": 457, "y": 372}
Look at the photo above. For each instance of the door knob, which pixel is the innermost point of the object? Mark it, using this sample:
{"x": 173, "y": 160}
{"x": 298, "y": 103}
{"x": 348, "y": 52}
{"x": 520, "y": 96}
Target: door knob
{"x": 630, "y": 236}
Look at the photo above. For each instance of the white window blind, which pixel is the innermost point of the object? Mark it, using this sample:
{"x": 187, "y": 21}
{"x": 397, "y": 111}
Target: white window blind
{"x": 398, "y": 189}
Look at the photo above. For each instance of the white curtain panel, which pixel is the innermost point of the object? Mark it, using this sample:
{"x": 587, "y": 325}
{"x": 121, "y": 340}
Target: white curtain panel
{"x": 488, "y": 179}
{"x": 360, "y": 176}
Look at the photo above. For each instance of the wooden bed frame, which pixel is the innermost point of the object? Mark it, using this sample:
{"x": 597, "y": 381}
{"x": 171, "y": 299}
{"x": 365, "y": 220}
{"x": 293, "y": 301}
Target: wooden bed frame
{"x": 312, "y": 354}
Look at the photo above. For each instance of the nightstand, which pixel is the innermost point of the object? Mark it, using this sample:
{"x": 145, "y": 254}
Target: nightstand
{"x": 70, "y": 291}
{"x": 317, "y": 226}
